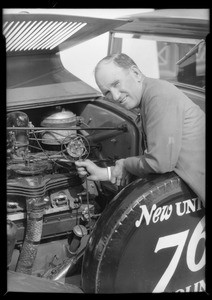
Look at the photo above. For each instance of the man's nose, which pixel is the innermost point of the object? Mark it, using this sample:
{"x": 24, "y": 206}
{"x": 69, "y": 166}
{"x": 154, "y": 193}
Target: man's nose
{"x": 116, "y": 94}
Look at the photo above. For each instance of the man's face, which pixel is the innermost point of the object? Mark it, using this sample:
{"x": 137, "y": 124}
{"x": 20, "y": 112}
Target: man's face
{"x": 118, "y": 84}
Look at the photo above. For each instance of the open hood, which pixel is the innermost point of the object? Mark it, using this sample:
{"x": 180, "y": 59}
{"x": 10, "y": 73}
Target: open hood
{"x": 35, "y": 74}
{"x": 31, "y": 33}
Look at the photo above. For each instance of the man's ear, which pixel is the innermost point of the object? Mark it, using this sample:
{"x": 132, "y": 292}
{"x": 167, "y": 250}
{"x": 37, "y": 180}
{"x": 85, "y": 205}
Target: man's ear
{"x": 134, "y": 69}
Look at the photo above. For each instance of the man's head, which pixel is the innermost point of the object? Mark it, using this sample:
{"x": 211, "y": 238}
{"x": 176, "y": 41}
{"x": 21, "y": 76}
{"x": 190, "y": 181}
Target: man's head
{"x": 119, "y": 79}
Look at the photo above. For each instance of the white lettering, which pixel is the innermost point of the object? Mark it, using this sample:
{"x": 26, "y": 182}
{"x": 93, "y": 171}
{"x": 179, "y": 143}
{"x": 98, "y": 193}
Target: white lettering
{"x": 166, "y": 213}
{"x": 188, "y": 289}
{"x": 178, "y": 211}
{"x": 172, "y": 240}
{"x": 156, "y": 215}
{"x": 145, "y": 213}
{"x": 197, "y": 236}
{"x": 188, "y": 206}
{"x": 179, "y": 240}
{"x": 197, "y": 287}
{"x": 199, "y": 204}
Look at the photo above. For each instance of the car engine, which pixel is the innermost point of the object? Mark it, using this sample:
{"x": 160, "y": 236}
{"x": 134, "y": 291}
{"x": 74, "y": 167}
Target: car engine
{"x": 51, "y": 211}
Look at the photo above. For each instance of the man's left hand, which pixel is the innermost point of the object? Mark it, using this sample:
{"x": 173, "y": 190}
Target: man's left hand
{"x": 119, "y": 174}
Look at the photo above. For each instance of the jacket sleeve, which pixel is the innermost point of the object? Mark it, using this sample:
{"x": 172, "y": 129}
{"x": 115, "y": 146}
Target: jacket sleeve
{"x": 164, "y": 117}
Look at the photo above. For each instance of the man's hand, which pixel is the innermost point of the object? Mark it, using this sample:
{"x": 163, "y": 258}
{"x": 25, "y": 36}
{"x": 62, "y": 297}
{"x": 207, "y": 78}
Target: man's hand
{"x": 119, "y": 174}
{"x": 93, "y": 172}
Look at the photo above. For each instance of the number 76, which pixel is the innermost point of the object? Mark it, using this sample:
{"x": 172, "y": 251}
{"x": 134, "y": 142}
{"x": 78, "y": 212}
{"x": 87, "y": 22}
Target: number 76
{"x": 179, "y": 239}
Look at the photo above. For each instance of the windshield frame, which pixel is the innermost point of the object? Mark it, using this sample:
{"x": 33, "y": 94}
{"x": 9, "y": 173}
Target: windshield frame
{"x": 161, "y": 38}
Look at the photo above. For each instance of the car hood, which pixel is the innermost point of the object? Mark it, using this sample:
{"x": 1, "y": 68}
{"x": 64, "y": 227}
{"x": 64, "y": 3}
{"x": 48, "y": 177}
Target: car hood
{"x": 32, "y": 32}
{"x": 35, "y": 74}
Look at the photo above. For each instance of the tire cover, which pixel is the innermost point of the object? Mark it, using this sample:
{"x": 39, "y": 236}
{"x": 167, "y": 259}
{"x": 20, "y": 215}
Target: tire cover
{"x": 150, "y": 238}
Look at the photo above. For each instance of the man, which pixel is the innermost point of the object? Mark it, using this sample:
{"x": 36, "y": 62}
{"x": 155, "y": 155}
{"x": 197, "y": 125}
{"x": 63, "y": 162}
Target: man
{"x": 174, "y": 126}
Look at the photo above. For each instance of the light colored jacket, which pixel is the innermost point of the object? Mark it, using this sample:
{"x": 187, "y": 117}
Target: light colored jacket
{"x": 175, "y": 133}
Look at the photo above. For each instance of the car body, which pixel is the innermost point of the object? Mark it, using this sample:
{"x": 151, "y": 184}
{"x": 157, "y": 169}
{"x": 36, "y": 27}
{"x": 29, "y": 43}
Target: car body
{"x": 62, "y": 227}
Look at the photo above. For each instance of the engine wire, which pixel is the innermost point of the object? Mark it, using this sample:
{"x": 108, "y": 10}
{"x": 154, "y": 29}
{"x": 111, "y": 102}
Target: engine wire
{"x": 62, "y": 152}
{"x": 88, "y": 204}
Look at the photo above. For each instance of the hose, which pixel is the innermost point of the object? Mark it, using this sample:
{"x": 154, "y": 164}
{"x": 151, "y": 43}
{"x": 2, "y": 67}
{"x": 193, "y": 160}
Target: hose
{"x": 32, "y": 238}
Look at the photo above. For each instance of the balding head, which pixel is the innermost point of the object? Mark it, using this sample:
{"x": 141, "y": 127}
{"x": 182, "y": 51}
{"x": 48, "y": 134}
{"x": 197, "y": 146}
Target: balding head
{"x": 119, "y": 79}
{"x": 120, "y": 59}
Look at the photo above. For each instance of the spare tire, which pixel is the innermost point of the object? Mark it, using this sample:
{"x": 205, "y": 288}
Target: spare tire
{"x": 150, "y": 238}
